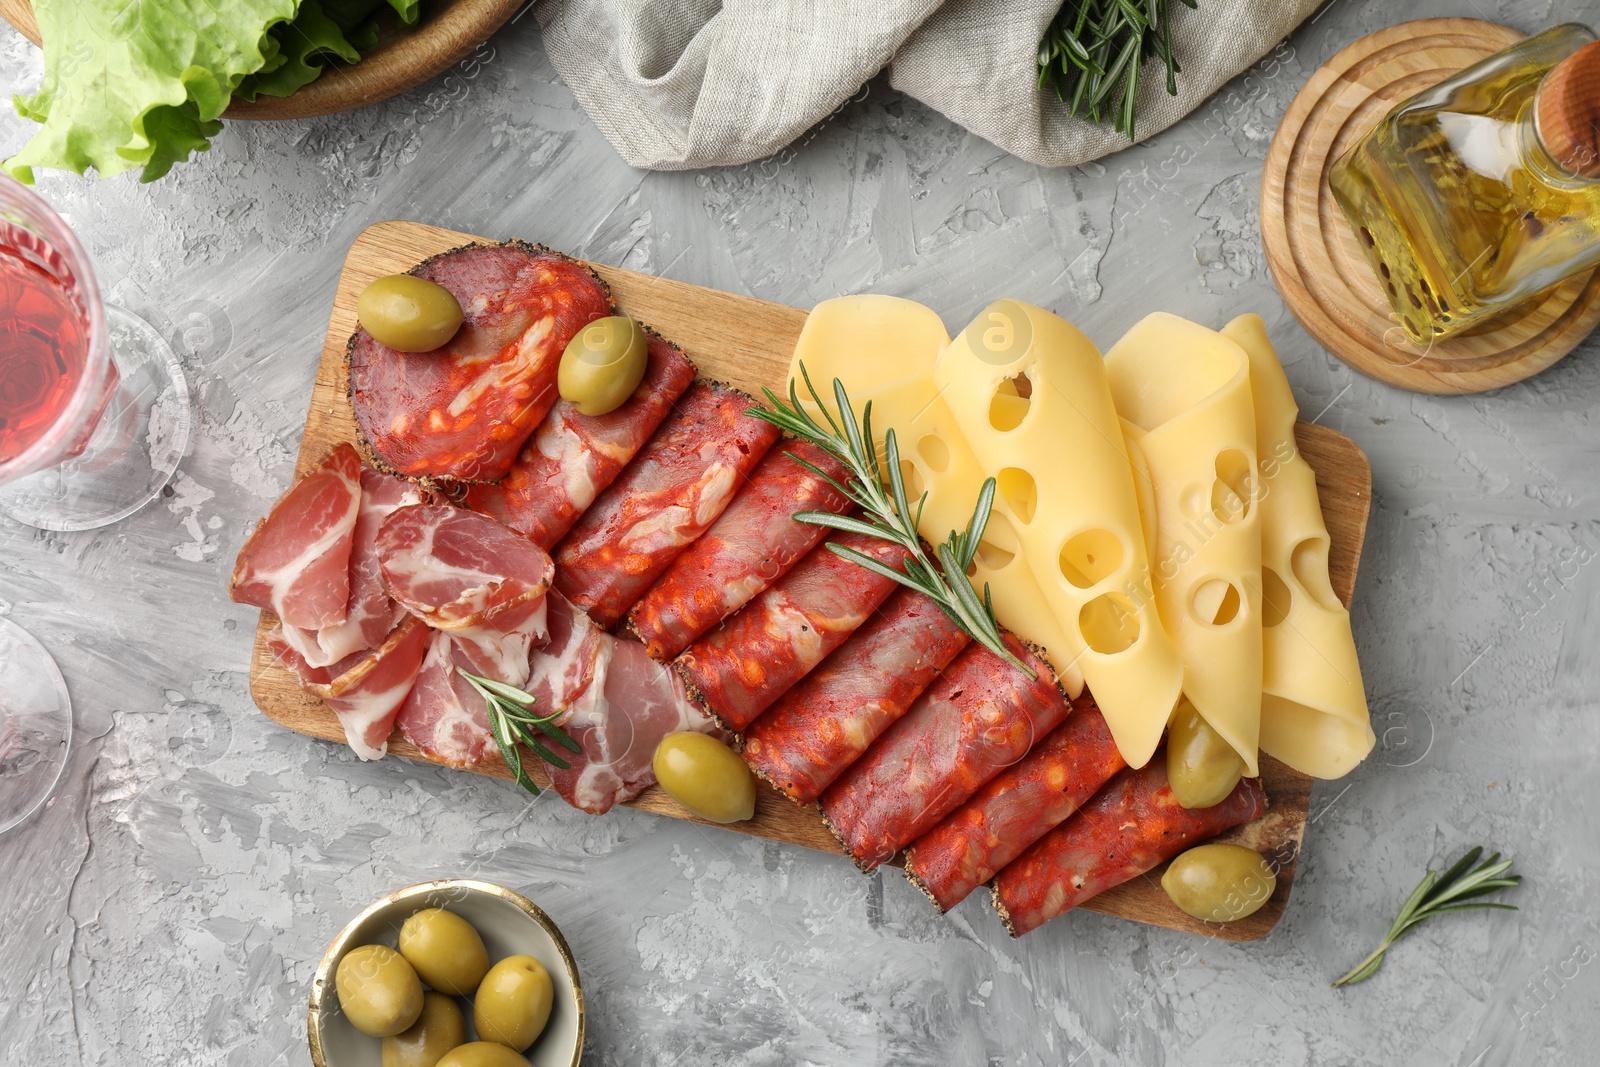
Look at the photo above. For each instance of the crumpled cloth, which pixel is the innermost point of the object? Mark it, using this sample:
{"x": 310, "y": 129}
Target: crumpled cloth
{"x": 681, "y": 84}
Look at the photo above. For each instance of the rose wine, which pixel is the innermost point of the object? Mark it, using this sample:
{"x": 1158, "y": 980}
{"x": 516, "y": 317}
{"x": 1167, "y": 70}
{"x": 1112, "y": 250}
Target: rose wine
{"x": 43, "y": 341}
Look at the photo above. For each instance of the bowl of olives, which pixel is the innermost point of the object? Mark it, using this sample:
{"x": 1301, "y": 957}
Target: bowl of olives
{"x": 453, "y": 973}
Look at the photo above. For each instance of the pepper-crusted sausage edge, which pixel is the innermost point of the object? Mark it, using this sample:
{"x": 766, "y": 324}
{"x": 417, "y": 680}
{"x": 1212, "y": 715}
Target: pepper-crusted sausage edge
{"x": 367, "y": 451}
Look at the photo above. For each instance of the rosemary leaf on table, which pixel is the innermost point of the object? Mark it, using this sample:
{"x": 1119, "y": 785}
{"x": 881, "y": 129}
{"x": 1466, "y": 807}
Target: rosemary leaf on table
{"x": 1454, "y": 890}
{"x": 512, "y": 723}
{"x": 1093, "y": 53}
{"x": 889, "y": 515}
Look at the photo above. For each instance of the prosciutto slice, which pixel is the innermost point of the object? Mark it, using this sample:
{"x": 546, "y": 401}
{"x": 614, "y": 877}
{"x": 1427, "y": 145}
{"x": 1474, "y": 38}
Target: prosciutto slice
{"x": 443, "y": 715}
{"x": 672, "y": 491}
{"x": 467, "y": 574}
{"x": 753, "y": 544}
{"x": 462, "y": 412}
{"x": 296, "y": 563}
{"x": 572, "y": 457}
{"x": 372, "y": 613}
{"x": 367, "y": 690}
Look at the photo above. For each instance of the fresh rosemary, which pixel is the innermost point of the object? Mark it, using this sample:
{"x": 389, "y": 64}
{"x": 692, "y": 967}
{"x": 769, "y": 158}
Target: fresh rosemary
{"x": 888, "y": 514}
{"x": 1437, "y": 894}
{"x": 1094, "y": 50}
{"x": 509, "y": 722}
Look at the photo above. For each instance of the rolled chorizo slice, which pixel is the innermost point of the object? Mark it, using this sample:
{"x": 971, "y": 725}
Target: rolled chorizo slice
{"x": 824, "y": 724}
{"x": 736, "y": 671}
{"x": 461, "y": 412}
{"x": 572, "y": 457}
{"x": 1131, "y": 826}
{"x": 976, "y": 719}
{"x": 1016, "y": 808}
{"x": 753, "y": 544}
{"x": 671, "y": 493}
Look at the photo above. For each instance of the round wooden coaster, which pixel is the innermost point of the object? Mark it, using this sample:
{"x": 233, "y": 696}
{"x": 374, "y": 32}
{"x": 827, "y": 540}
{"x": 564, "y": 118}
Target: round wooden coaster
{"x": 1315, "y": 260}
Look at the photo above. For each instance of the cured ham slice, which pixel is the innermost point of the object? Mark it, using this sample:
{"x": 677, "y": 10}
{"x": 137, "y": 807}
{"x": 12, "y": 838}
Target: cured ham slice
{"x": 737, "y": 670}
{"x": 462, "y": 412}
{"x": 1016, "y": 808}
{"x": 754, "y": 543}
{"x": 372, "y": 613}
{"x": 571, "y": 458}
{"x": 367, "y": 690}
{"x": 1131, "y": 826}
{"x": 443, "y": 715}
{"x": 467, "y": 574}
{"x": 561, "y": 670}
{"x": 673, "y": 490}
{"x": 824, "y": 724}
{"x": 296, "y": 563}
{"x": 977, "y": 718}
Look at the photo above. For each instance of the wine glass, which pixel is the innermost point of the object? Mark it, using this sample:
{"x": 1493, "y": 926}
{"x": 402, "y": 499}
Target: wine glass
{"x": 94, "y": 417}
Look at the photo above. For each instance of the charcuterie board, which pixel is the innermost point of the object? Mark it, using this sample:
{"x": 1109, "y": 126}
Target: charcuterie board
{"x": 748, "y": 343}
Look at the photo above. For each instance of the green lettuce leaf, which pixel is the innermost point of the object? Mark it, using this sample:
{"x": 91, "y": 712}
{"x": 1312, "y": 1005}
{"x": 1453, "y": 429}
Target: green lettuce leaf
{"x": 140, "y": 84}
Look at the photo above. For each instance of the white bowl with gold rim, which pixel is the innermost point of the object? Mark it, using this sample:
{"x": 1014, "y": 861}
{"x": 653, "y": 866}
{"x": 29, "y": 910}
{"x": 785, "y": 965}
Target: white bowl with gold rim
{"x": 510, "y": 925}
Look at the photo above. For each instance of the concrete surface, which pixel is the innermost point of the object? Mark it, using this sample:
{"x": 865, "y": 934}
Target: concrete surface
{"x": 171, "y": 904}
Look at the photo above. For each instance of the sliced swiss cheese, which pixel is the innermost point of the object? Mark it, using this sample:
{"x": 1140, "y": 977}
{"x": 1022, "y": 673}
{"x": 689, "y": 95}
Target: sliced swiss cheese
{"x": 1029, "y": 394}
{"x": 1186, "y": 392}
{"x": 1314, "y": 708}
{"x": 883, "y": 349}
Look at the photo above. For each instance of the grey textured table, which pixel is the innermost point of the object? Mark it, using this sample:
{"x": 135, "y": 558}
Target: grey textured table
{"x": 171, "y": 904}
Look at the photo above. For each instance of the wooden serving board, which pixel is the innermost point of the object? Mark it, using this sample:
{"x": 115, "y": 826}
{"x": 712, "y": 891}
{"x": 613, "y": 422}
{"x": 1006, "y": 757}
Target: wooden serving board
{"x": 747, "y": 343}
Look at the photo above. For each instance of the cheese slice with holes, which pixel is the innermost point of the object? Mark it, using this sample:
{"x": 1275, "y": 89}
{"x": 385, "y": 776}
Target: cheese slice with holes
{"x": 1314, "y": 707}
{"x": 1184, "y": 391}
{"x": 1029, "y": 394}
{"x": 883, "y": 349}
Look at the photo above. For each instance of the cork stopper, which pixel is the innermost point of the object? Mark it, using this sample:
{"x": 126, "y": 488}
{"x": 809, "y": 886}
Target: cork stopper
{"x": 1569, "y": 112}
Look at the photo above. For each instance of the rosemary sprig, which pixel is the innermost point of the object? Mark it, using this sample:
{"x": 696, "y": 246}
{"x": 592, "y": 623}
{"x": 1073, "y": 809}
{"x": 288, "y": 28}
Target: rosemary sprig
{"x": 889, "y": 515}
{"x": 1437, "y": 894}
{"x": 1093, "y": 51}
{"x": 509, "y": 722}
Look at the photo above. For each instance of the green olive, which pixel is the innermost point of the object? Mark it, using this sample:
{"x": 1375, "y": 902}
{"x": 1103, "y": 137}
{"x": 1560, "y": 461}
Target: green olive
{"x": 440, "y": 1028}
{"x": 603, "y": 364}
{"x": 705, "y": 776}
{"x": 482, "y": 1054}
{"x": 513, "y": 1002}
{"x": 1219, "y": 883}
{"x": 379, "y": 992}
{"x": 446, "y": 951}
{"x": 1202, "y": 767}
{"x": 408, "y": 313}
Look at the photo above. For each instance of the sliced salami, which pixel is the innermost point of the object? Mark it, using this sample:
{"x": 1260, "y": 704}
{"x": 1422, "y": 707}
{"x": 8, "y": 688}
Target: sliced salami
{"x": 462, "y": 412}
{"x": 296, "y": 562}
{"x": 739, "y": 669}
{"x": 571, "y": 458}
{"x": 1016, "y": 808}
{"x": 669, "y": 495}
{"x": 754, "y": 543}
{"x": 977, "y": 718}
{"x": 1131, "y": 826}
{"x": 824, "y": 724}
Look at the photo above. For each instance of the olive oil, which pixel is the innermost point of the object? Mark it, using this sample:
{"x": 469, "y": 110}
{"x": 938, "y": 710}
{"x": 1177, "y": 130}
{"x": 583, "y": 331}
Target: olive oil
{"x": 1470, "y": 198}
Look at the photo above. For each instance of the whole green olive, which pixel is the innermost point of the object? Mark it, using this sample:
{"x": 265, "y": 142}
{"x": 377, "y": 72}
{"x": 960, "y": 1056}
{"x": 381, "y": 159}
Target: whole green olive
{"x": 378, "y": 990}
{"x": 482, "y": 1054}
{"x": 513, "y": 1002}
{"x": 1219, "y": 882}
{"x": 1201, "y": 766}
{"x": 705, "y": 776}
{"x": 440, "y": 1028}
{"x": 603, "y": 364}
{"x": 446, "y": 951}
{"x": 408, "y": 313}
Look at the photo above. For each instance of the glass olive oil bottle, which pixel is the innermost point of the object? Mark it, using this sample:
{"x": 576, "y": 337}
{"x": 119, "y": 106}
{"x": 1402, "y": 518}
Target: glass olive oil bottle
{"x": 1483, "y": 191}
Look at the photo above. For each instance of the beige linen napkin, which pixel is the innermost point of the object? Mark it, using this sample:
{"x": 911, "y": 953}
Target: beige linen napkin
{"x": 680, "y": 84}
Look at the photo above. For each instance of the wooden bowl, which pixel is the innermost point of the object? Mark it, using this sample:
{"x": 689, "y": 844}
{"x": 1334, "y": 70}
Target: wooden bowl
{"x": 404, "y": 57}
{"x": 510, "y": 925}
